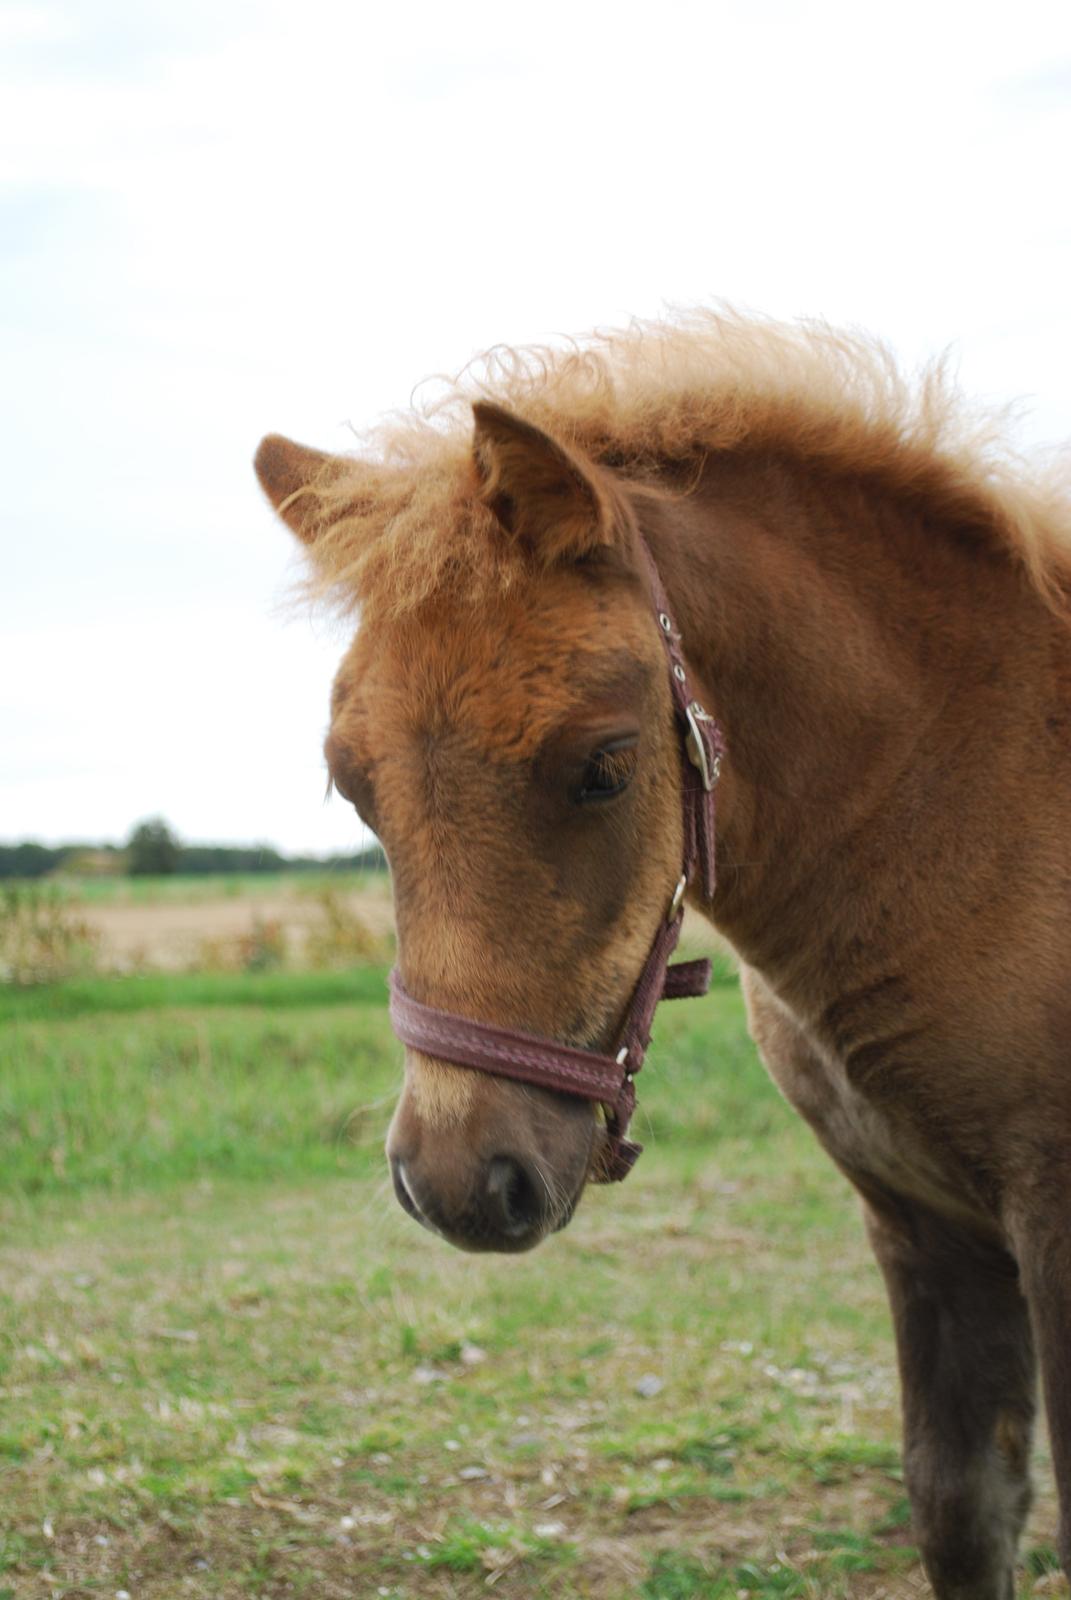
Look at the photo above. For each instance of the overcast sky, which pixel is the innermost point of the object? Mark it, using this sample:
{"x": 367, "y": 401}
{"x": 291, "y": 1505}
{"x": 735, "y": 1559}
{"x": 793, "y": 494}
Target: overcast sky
{"x": 222, "y": 219}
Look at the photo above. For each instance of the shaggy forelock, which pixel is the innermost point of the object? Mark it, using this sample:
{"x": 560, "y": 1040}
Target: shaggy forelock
{"x": 402, "y": 521}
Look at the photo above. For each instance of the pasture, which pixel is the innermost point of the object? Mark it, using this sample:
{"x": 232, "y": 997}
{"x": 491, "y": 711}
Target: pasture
{"x": 231, "y": 1366}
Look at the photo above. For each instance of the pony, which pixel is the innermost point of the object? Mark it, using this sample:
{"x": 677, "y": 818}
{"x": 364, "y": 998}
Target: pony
{"x": 870, "y": 590}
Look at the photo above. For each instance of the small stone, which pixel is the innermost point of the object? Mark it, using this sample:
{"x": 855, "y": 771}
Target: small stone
{"x": 346, "y": 1523}
{"x": 523, "y": 1441}
{"x": 663, "y": 1463}
{"x": 471, "y": 1354}
{"x": 649, "y": 1385}
{"x": 451, "y": 1444}
{"x": 122, "y": 1594}
{"x": 549, "y": 1530}
{"x": 427, "y": 1375}
{"x": 101, "y": 1539}
{"x": 473, "y": 1474}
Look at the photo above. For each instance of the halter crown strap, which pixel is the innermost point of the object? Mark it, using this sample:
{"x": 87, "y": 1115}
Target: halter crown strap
{"x": 591, "y": 1074}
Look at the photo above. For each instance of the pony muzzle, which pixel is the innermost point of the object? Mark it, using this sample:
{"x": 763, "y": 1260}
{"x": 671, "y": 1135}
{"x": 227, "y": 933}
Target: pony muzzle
{"x": 503, "y": 1175}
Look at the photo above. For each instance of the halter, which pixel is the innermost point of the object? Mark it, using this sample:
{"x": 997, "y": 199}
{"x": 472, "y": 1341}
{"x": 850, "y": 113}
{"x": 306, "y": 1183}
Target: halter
{"x": 607, "y": 1080}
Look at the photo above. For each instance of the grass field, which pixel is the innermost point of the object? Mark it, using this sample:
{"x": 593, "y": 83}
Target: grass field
{"x": 230, "y": 1365}
{"x": 197, "y": 888}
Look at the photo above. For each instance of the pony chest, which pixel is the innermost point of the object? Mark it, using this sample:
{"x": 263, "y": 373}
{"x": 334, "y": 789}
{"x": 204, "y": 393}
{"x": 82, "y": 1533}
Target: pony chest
{"x": 874, "y": 1133}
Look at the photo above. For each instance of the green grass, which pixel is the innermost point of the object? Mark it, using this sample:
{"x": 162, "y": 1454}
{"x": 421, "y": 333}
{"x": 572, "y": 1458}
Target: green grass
{"x": 230, "y": 1365}
{"x": 142, "y": 1082}
{"x": 194, "y": 888}
{"x": 185, "y": 991}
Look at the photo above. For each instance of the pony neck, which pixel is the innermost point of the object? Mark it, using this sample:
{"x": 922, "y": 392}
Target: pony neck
{"x": 838, "y": 638}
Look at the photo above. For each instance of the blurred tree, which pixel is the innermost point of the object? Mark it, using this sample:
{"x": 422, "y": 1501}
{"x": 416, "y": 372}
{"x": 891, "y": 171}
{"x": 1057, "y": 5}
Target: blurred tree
{"x": 151, "y": 849}
{"x": 27, "y": 860}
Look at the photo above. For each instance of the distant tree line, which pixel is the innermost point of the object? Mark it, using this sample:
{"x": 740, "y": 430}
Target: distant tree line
{"x": 153, "y": 849}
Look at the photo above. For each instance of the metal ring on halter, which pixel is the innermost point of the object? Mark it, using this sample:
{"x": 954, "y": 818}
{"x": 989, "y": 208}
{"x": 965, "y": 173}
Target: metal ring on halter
{"x": 709, "y": 771}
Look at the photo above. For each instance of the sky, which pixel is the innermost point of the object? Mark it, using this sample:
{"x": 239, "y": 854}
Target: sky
{"x": 223, "y": 219}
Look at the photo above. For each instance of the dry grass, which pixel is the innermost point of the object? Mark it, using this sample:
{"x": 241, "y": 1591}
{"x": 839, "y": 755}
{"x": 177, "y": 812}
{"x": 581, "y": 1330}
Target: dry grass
{"x": 297, "y": 923}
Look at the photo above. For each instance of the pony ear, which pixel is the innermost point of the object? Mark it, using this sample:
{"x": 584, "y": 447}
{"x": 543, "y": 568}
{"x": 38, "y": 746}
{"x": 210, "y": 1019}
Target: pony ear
{"x": 542, "y": 492}
{"x": 290, "y": 474}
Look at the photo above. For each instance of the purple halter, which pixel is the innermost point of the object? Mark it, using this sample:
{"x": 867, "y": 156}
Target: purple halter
{"x": 589, "y": 1074}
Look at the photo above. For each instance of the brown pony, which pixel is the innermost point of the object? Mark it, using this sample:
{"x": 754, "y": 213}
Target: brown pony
{"x": 871, "y": 597}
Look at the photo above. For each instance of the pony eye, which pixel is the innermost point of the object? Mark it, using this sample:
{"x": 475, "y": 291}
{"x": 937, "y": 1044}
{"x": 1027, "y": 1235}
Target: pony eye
{"x": 608, "y": 771}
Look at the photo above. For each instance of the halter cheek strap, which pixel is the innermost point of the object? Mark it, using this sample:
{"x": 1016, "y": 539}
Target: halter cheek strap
{"x": 607, "y": 1080}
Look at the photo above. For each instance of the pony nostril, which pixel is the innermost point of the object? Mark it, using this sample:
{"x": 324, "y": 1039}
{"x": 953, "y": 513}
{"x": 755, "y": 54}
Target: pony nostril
{"x": 514, "y": 1202}
{"x": 401, "y": 1189}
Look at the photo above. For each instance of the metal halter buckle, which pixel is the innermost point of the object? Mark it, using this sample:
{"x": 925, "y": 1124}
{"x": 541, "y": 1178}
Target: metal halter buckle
{"x": 708, "y": 770}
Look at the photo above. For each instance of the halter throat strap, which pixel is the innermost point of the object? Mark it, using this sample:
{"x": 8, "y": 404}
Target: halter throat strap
{"x": 606, "y": 1079}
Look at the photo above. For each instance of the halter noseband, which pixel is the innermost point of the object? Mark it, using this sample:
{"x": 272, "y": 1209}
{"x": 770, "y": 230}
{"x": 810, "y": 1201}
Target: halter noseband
{"x": 589, "y": 1074}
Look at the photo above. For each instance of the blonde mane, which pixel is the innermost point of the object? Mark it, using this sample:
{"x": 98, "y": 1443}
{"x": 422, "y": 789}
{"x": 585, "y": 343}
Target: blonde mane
{"x": 402, "y": 521}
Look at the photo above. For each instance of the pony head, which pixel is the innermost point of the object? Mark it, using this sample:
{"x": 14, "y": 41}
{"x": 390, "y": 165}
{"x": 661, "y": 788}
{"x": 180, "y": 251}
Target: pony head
{"x": 503, "y": 722}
